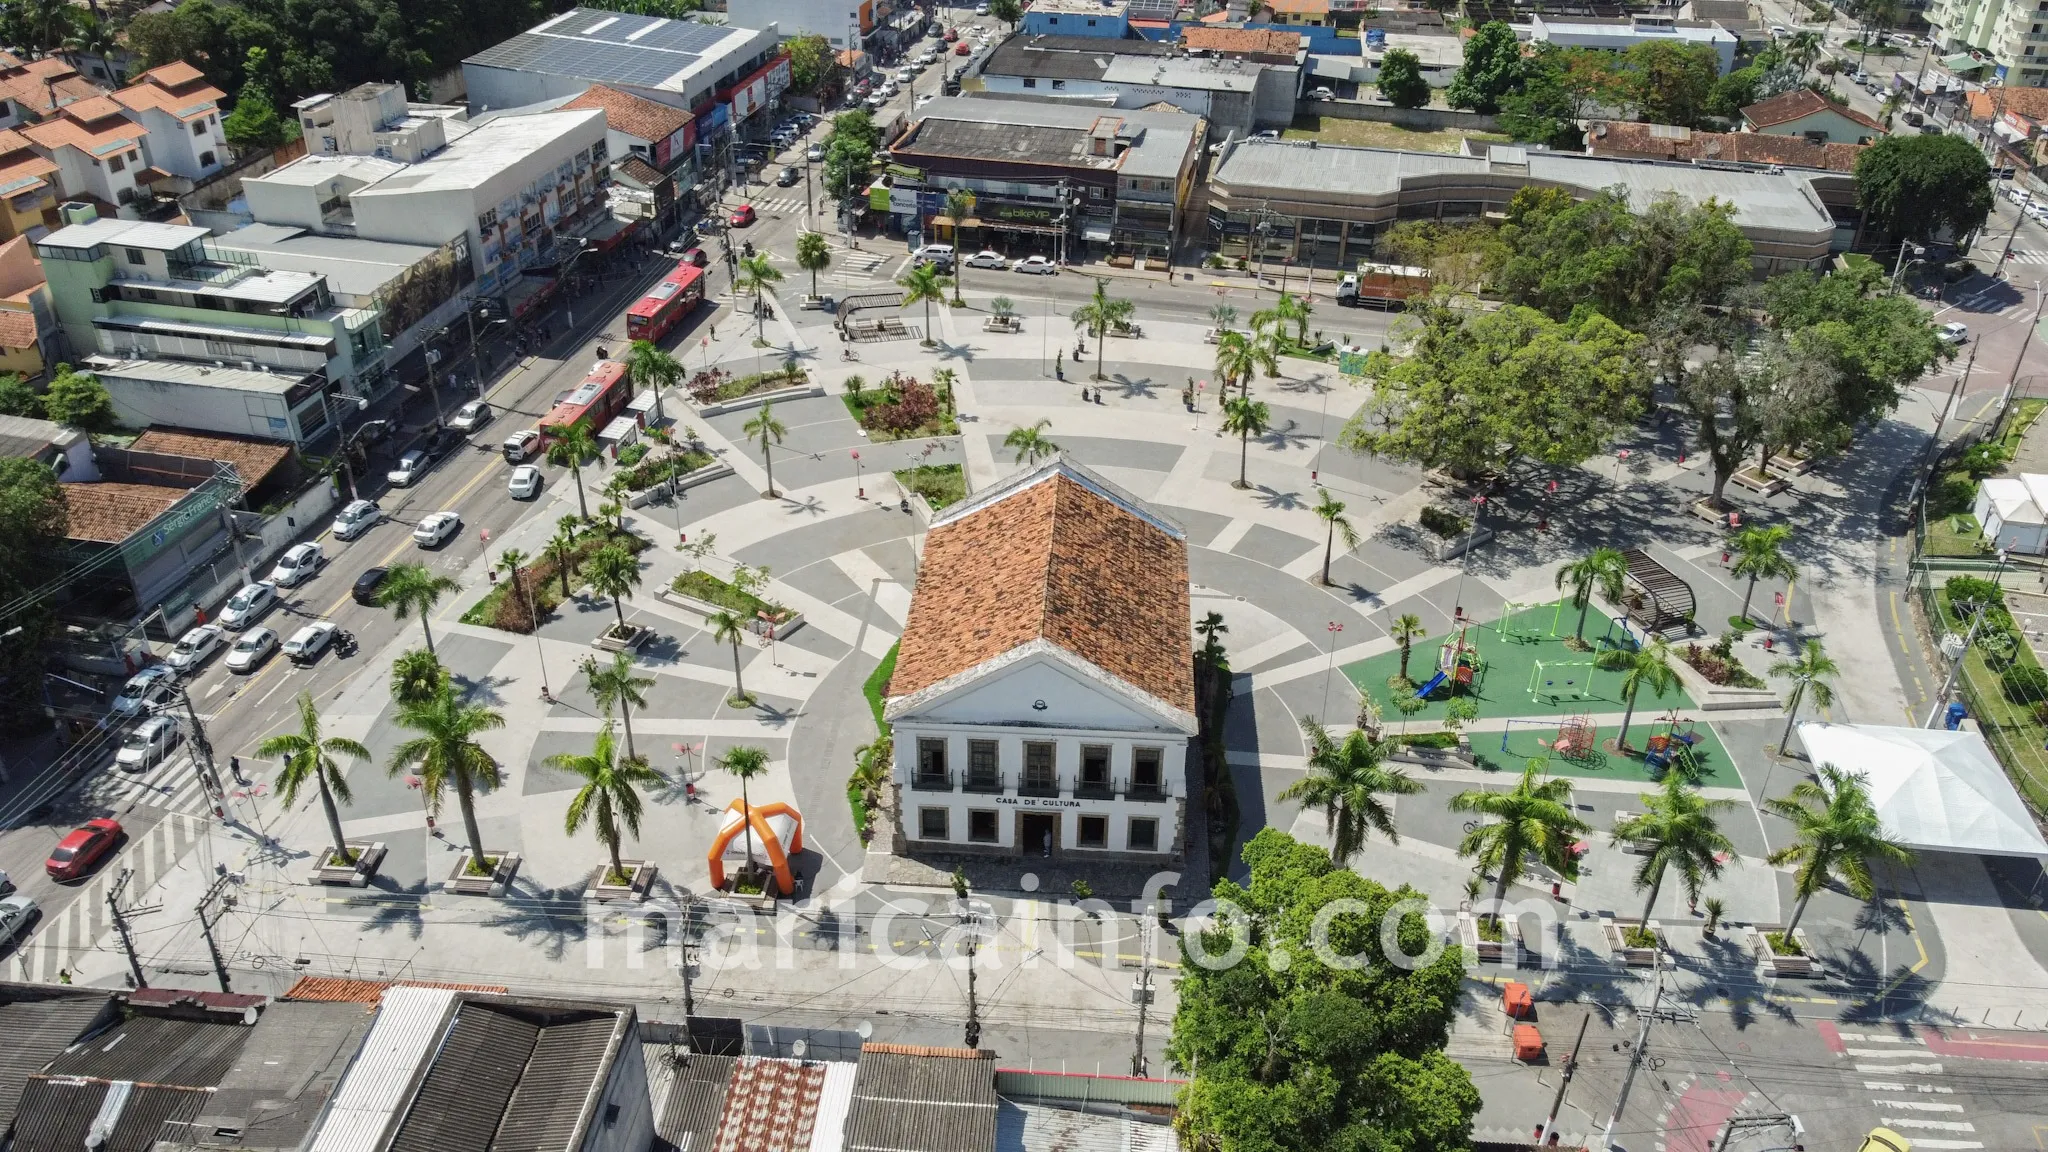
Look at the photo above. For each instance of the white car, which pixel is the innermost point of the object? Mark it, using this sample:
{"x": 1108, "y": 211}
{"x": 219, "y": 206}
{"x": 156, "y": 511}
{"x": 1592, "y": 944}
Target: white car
{"x": 251, "y": 649}
{"x": 525, "y": 482}
{"x": 309, "y": 642}
{"x": 298, "y": 563}
{"x": 195, "y": 647}
{"x": 248, "y": 605}
{"x": 814, "y": 153}
{"x": 16, "y": 914}
{"x": 988, "y": 259}
{"x": 359, "y": 517}
{"x": 146, "y": 746}
{"x": 906, "y": 75}
{"x": 146, "y": 689}
{"x": 925, "y": 99}
{"x": 6, "y": 885}
{"x": 1954, "y": 333}
{"x": 470, "y": 416}
{"x": 1037, "y": 266}
{"x": 1323, "y": 93}
{"x": 519, "y": 445}
{"x": 411, "y": 467}
{"x": 436, "y": 528}
{"x": 890, "y": 89}
{"x": 933, "y": 254}
{"x": 2037, "y": 212}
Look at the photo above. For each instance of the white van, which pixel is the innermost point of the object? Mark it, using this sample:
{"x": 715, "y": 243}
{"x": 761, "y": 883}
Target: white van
{"x": 941, "y": 254}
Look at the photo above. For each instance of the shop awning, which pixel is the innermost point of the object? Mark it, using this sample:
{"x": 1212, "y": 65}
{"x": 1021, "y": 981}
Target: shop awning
{"x": 1095, "y": 232}
{"x": 943, "y": 221}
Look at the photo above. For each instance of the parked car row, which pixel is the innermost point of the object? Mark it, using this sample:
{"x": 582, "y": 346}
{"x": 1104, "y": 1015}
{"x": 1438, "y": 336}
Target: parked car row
{"x": 943, "y": 256}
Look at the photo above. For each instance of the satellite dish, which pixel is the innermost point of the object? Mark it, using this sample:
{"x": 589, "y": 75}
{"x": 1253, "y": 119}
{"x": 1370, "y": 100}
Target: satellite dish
{"x": 865, "y": 1030}
{"x": 799, "y": 1048}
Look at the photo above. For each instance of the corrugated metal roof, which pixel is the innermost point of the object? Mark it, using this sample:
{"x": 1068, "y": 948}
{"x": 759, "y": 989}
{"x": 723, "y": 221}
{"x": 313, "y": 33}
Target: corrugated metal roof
{"x": 944, "y": 1101}
{"x": 36, "y": 1031}
{"x": 57, "y": 1113}
{"x": 284, "y": 1075}
{"x": 696, "y": 1098}
{"x": 1035, "y": 1126}
{"x": 378, "y": 1085}
{"x": 558, "y": 1086}
{"x": 835, "y": 1100}
{"x": 335, "y": 990}
{"x": 459, "y": 1104}
{"x": 157, "y": 1049}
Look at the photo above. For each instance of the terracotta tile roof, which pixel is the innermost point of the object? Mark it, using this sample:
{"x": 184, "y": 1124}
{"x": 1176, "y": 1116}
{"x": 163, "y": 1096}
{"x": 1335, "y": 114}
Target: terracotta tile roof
{"x": 1800, "y": 103}
{"x": 639, "y": 170}
{"x": 101, "y": 137}
{"x": 110, "y": 513}
{"x": 33, "y": 86}
{"x": 334, "y": 990}
{"x": 94, "y": 110}
{"x": 1249, "y": 41}
{"x": 2029, "y": 103}
{"x": 770, "y": 1106}
{"x": 1665, "y": 142}
{"x": 636, "y": 116}
{"x": 923, "y": 1050}
{"x": 254, "y": 460}
{"x": 176, "y": 74}
{"x": 1052, "y": 557}
{"x": 17, "y": 329}
{"x": 21, "y": 167}
{"x": 185, "y": 102}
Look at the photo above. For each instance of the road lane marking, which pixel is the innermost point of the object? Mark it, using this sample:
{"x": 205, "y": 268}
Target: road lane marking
{"x": 1902, "y": 1069}
{"x": 1930, "y": 1125}
{"x": 1919, "y": 1106}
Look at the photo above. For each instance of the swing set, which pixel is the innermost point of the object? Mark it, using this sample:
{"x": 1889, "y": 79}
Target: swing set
{"x": 1561, "y": 680}
{"x": 1576, "y": 738}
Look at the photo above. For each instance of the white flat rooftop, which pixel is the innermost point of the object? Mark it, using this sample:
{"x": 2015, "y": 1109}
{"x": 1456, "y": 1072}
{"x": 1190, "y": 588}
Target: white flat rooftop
{"x": 480, "y": 156}
{"x": 132, "y": 233}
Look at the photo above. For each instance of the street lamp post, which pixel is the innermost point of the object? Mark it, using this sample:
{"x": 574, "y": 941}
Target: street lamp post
{"x": 860, "y": 491}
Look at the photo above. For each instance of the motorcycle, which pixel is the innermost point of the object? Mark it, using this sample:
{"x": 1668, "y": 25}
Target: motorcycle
{"x": 344, "y": 644}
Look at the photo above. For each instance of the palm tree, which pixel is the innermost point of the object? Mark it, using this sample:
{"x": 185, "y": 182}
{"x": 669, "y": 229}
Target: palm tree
{"x": 756, "y": 274}
{"x": 1803, "y": 49}
{"x": 764, "y": 429}
{"x": 943, "y": 383}
{"x": 445, "y": 753}
{"x": 1836, "y": 833}
{"x": 1288, "y": 309}
{"x": 1759, "y": 555}
{"x": 410, "y": 588}
{"x": 922, "y": 285}
{"x": 871, "y": 770}
{"x": 746, "y": 762}
{"x": 415, "y": 676}
{"x": 1602, "y": 569}
{"x": 1031, "y": 444}
{"x": 305, "y": 755}
{"x": 1676, "y": 827}
{"x": 1810, "y": 670}
{"x": 1646, "y": 667}
{"x": 613, "y": 572}
{"x": 813, "y": 256}
{"x": 572, "y": 444}
{"x": 1406, "y": 631}
{"x": 1246, "y": 417}
{"x": 650, "y": 367}
{"x": 960, "y": 206}
{"x": 91, "y": 36}
{"x": 1346, "y": 780}
{"x": 1239, "y": 356}
{"x": 1331, "y": 510}
{"x": 1536, "y": 817}
{"x": 46, "y": 23}
{"x": 509, "y": 562}
{"x": 728, "y": 628}
{"x": 1223, "y": 315}
{"x": 610, "y": 797}
{"x": 1212, "y": 629}
{"x": 617, "y": 683}
{"x": 1101, "y": 313}
{"x": 561, "y": 548}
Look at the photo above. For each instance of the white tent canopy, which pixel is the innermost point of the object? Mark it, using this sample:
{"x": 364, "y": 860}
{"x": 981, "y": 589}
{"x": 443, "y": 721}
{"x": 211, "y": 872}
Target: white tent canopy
{"x": 1934, "y": 789}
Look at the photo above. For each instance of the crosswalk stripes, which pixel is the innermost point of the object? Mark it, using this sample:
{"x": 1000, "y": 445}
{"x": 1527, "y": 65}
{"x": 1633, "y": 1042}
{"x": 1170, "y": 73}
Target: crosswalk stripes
{"x": 1929, "y": 1121}
{"x": 172, "y": 786}
{"x": 58, "y": 940}
{"x": 778, "y": 203}
{"x": 2019, "y": 257}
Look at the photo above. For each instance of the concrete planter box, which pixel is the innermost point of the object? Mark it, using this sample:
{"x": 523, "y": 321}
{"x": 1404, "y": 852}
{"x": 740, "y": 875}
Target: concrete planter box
{"x": 1002, "y": 324}
{"x": 369, "y": 857}
{"x": 641, "y": 873}
{"x": 1791, "y": 464}
{"x": 1629, "y": 955}
{"x": 683, "y": 483}
{"x": 1762, "y": 483}
{"x": 761, "y": 903}
{"x": 1442, "y": 548}
{"x": 1786, "y": 964}
{"x": 461, "y": 883}
{"x": 1705, "y": 510}
{"x": 1507, "y": 950}
{"x": 707, "y": 609}
{"x": 755, "y": 400}
{"x": 1460, "y": 757}
{"x": 609, "y": 640}
{"x": 1712, "y": 697}
{"x": 810, "y": 303}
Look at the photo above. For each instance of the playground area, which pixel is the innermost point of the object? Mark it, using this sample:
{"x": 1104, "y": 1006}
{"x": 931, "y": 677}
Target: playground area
{"x": 1537, "y": 698}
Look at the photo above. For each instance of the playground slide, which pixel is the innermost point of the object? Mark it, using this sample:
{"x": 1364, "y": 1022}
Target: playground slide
{"x": 1435, "y": 682}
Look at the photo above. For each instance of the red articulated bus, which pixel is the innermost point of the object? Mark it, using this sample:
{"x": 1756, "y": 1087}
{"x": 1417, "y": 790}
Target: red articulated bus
{"x": 602, "y": 395}
{"x": 675, "y": 297}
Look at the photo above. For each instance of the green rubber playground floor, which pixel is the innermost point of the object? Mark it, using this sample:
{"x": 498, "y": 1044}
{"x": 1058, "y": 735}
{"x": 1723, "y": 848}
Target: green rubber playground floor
{"x": 1567, "y": 684}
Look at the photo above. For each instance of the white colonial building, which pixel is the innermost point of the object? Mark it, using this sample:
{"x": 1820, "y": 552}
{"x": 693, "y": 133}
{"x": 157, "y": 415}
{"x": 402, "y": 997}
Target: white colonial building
{"x": 1043, "y": 696}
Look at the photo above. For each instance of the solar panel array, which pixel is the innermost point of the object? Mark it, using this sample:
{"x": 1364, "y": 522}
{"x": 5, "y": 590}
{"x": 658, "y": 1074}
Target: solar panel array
{"x": 606, "y": 46}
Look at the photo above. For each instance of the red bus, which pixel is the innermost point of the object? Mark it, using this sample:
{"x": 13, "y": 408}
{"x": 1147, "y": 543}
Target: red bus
{"x": 675, "y": 297}
{"x": 602, "y": 395}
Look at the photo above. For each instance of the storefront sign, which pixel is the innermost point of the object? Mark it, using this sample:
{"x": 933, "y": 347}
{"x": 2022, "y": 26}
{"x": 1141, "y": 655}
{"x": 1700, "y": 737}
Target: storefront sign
{"x": 1037, "y": 801}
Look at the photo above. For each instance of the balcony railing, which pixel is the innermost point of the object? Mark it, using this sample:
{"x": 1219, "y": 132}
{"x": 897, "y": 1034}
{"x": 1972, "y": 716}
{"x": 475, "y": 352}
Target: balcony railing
{"x": 1094, "y": 789}
{"x": 1048, "y": 785}
{"x": 1155, "y": 790}
{"x": 986, "y": 782}
{"x": 928, "y": 781}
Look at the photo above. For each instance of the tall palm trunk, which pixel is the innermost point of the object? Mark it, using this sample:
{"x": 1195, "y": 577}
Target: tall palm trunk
{"x": 1585, "y": 604}
{"x": 626, "y": 714}
{"x": 1628, "y": 716}
{"x": 1244, "y": 452}
{"x": 739, "y": 686}
{"x": 768, "y": 462}
{"x": 1747, "y": 597}
{"x": 1649, "y": 905}
{"x": 467, "y": 803}
{"x": 333, "y": 816}
{"x": 612, "y": 842}
{"x": 1329, "y": 545}
{"x": 576, "y": 472}
{"x": 1500, "y": 884}
{"x": 429, "y": 631}
{"x": 1791, "y": 714}
{"x": 1101, "y": 342}
{"x": 1798, "y": 910}
{"x": 619, "y": 607}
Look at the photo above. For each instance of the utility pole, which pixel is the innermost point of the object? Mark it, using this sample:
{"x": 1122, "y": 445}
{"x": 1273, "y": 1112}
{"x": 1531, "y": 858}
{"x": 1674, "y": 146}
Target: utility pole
{"x": 973, "y": 1005}
{"x": 209, "y": 775}
{"x": 2005, "y": 397}
{"x": 1141, "y": 989}
{"x": 120, "y": 916}
{"x": 689, "y": 931}
{"x": 209, "y": 911}
{"x": 1635, "y": 1059}
{"x": 1955, "y": 666}
{"x": 1571, "y": 1065}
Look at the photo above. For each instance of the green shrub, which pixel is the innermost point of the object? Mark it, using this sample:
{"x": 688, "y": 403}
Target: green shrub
{"x": 632, "y": 454}
{"x": 1967, "y": 593}
{"x": 1443, "y": 523}
{"x": 2024, "y": 683}
{"x": 1984, "y": 458}
{"x": 1953, "y": 493}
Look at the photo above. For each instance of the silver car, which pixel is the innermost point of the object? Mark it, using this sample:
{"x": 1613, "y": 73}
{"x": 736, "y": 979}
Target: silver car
{"x": 411, "y": 467}
{"x": 16, "y": 914}
{"x": 147, "y": 745}
{"x": 359, "y": 517}
{"x": 309, "y": 642}
{"x": 196, "y": 647}
{"x": 248, "y": 605}
{"x": 251, "y": 649}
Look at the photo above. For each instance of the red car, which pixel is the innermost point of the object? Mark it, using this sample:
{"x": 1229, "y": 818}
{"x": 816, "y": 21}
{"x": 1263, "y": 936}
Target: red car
{"x": 962, "y": 49}
{"x": 76, "y": 854}
{"x": 743, "y": 216}
{"x": 952, "y": 34}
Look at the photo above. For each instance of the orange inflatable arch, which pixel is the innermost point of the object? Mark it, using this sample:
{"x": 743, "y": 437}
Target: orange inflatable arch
{"x": 767, "y": 841}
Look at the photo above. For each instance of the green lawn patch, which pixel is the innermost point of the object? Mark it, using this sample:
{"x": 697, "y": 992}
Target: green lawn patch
{"x": 860, "y": 811}
{"x": 542, "y": 579}
{"x": 940, "y": 484}
{"x": 2014, "y": 730}
{"x": 701, "y": 585}
{"x": 657, "y": 469}
{"x": 877, "y": 686}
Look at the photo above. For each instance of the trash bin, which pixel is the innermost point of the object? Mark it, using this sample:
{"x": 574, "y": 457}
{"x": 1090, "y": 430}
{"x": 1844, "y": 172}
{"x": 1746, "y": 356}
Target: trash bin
{"x": 1954, "y": 719}
{"x": 1516, "y": 1000}
{"x": 1528, "y": 1042}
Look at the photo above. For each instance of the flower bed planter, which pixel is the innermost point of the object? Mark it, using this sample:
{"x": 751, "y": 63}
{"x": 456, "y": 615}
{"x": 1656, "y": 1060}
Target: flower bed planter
{"x": 1705, "y": 510}
{"x": 1460, "y": 757}
{"x": 789, "y": 623}
{"x": 640, "y": 878}
{"x": 756, "y": 399}
{"x": 1760, "y": 482}
{"x": 461, "y": 883}
{"x": 1002, "y": 324}
{"x": 1791, "y": 464}
{"x": 1507, "y": 950}
{"x": 1442, "y": 548}
{"x": 369, "y": 857}
{"x": 1787, "y": 963}
{"x": 686, "y": 481}
{"x": 613, "y": 640}
{"x": 1711, "y": 697}
{"x": 1628, "y": 954}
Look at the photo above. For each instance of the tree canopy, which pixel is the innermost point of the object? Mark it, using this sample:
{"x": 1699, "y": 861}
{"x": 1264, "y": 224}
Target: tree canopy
{"x": 1558, "y": 87}
{"x": 1483, "y": 390}
{"x": 1667, "y": 82}
{"x": 33, "y": 521}
{"x": 1493, "y": 67}
{"x": 812, "y": 61}
{"x": 1289, "y": 1051}
{"x": 850, "y": 152}
{"x": 78, "y": 399}
{"x": 1596, "y": 252}
{"x": 1401, "y": 79}
{"x": 1916, "y": 187}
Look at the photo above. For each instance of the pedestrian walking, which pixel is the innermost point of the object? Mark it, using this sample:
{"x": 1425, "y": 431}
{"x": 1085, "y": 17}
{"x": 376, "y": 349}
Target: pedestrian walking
{"x": 235, "y": 766}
